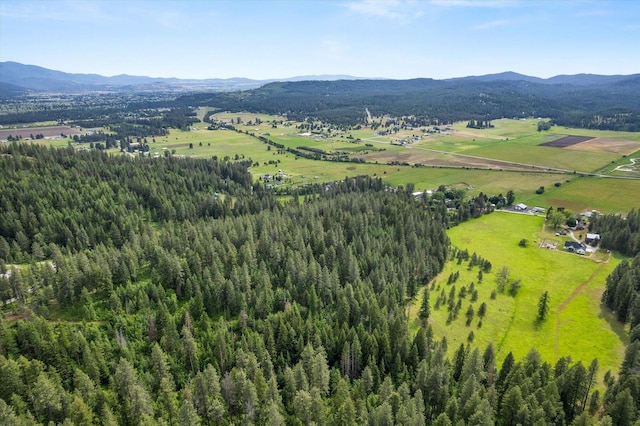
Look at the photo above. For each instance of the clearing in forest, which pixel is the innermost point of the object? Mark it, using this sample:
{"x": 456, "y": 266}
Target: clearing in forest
{"x": 577, "y": 324}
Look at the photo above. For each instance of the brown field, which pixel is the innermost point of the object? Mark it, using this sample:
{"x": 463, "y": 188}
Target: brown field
{"x": 45, "y": 131}
{"x": 614, "y": 146}
{"x": 439, "y": 159}
{"x": 566, "y": 141}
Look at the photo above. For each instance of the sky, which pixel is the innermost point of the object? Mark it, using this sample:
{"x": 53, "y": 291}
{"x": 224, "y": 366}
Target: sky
{"x": 264, "y": 39}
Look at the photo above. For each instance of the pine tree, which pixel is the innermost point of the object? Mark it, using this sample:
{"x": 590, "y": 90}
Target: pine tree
{"x": 543, "y": 306}
{"x": 424, "y": 307}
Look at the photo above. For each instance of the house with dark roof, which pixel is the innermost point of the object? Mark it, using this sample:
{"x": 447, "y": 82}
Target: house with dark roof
{"x": 575, "y": 247}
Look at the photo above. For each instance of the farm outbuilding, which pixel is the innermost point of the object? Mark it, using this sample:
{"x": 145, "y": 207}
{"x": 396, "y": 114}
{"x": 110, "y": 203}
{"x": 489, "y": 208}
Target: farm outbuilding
{"x": 520, "y": 206}
{"x": 592, "y": 239}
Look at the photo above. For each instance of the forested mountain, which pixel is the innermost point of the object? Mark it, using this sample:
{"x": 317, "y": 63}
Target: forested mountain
{"x": 8, "y": 90}
{"x": 583, "y": 100}
{"x": 607, "y": 103}
{"x": 35, "y": 78}
{"x": 208, "y": 301}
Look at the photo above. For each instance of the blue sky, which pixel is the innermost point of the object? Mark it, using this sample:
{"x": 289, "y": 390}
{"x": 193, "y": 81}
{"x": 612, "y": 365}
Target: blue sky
{"x": 365, "y": 38}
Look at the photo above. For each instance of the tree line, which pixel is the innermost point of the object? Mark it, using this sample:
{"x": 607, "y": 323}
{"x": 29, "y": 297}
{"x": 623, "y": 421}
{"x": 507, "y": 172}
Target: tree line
{"x": 618, "y": 233}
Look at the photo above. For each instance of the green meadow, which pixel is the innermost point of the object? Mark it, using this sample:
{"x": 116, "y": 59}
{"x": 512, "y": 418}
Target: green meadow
{"x": 543, "y": 156}
{"x": 576, "y": 324}
{"x": 510, "y": 140}
{"x": 606, "y": 195}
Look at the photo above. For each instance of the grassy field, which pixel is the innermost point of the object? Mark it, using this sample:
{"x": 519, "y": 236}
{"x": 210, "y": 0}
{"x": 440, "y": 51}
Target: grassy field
{"x": 517, "y": 129}
{"x": 509, "y": 140}
{"x": 576, "y": 325}
{"x": 542, "y": 156}
{"x": 588, "y": 193}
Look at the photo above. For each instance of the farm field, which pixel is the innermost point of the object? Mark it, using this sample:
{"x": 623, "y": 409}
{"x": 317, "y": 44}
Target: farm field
{"x": 517, "y": 129}
{"x": 301, "y": 171}
{"x": 543, "y": 156}
{"x": 576, "y": 323}
{"x": 588, "y": 193}
{"x": 46, "y": 131}
{"x": 509, "y": 141}
{"x": 575, "y": 192}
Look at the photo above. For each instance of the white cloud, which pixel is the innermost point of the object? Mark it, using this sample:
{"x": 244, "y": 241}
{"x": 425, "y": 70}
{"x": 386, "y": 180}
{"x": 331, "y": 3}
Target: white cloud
{"x": 66, "y": 11}
{"x": 495, "y": 24}
{"x": 389, "y": 9}
{"x": 476, "y": 3}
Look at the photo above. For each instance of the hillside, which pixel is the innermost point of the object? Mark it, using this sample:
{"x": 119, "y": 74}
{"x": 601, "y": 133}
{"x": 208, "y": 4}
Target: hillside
{"x": 583, "y": 101}
{"x": 35, "y": 78}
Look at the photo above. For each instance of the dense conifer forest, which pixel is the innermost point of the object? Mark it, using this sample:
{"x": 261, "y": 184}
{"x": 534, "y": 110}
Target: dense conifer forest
{"x": 173, "y": 291}
{"x": 612, "y": 106}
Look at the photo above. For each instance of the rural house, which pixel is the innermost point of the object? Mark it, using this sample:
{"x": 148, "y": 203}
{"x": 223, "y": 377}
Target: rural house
{"x": 520, "y": 206}
{"x": 575, "y": 247}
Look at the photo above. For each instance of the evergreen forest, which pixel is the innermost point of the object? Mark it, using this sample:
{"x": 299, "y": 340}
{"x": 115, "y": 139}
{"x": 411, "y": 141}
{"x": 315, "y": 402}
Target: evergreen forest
{"x": 610, "y": 106}
{"x": 168, "y": 291}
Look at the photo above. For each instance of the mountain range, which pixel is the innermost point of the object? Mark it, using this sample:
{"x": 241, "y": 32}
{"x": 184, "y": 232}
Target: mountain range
{"x": 17, "y": 78}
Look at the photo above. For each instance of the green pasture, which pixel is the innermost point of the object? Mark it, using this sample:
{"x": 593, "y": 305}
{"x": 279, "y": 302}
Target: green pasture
{"x": 576, "y": 325}
{"x": 245, "y": 117}
{"x": 465, "y": 140}
{"x": 606, "y": 195}
{"x": 576, "y": 193}
{"x": 474, "y": 181}
{"x": 612, "y": 134}
{"x": 294, "y": 140}
{"x": 206, "y": 143}
{"x": 512, "y": 129}
{"x": 58, "y": 143}
{"x": 508, "y": 139}
{"x": 544, "y": 156}
{"x": 505, "y": 127}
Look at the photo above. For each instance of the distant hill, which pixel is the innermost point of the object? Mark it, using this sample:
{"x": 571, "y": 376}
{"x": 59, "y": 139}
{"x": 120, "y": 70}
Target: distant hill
{"x": 503, "y": 76}
{"x": 575, "y": 80}
{"x": 35, "y": 78}
{"x": 604, "y": 102}
{"x": 582, "y": 100}
{"x": 11, "y": 90}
